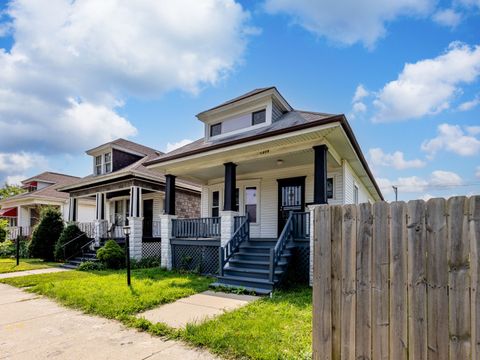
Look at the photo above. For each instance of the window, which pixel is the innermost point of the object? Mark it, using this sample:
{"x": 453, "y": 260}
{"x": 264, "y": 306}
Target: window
{"x": 355, "y": 194}
{"x": 251, "y": 203}
{"x": 215, "y": 129}
{"x": 258, "y": 117}
{"x": 98, "y": 165}
{"x": 107, "y": 162}
{"x": 330, "y": 188}
{"x": 215, "y": 203}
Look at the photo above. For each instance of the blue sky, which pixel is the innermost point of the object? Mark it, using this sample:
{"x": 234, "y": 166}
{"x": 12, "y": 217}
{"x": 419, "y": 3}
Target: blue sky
{"x": 76, "y": 74}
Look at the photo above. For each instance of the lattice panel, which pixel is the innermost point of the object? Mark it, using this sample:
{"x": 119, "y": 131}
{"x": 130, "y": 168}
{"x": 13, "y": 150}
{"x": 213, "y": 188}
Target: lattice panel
{"x": 198, "y": 258}
{"x": 300, "y": 265}
{"x": 152, "y": 250}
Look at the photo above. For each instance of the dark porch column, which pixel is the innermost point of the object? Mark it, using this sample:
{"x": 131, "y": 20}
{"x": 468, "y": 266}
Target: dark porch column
{"x": 230, "y": 186}
{"x": 320, "y": 175}
{"x": 72, "y": 209}
{"x": 170, "y": 194}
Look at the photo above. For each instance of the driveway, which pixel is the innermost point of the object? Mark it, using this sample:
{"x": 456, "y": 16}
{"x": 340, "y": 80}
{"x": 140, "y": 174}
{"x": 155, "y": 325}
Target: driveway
{"x": 34, "y": 327}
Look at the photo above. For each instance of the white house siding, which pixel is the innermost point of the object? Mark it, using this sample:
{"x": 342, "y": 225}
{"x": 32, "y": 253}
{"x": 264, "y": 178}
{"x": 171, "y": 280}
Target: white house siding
{"x": 350, "y": 180}
{"x": 268, "y": 191}
{"x": 86, "y": 211}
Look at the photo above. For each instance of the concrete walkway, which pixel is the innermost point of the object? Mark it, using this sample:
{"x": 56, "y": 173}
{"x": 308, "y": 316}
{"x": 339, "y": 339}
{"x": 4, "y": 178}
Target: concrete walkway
{"x": 32, "y": 272}
{"x": 196, "y": 308}
{"x": 33, "y": 327}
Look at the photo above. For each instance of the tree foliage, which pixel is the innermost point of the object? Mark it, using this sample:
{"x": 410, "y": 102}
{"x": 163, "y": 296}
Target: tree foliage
{"x": 73, "y": 238}
{"x": 10, "y": 190}
{"x": 46, "y": 234}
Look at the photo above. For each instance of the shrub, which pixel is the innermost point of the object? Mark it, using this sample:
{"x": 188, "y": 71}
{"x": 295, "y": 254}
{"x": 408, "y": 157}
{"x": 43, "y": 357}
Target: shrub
{"x": 3, "y": 230}
{"x": 111, "y": 255}
{"x": 8, "y": 249}
{"x": 46, "y": 234}
{"x": 71, "y": 232}
{"x": 91, "y": 266}
{"x": 146, "y": 262}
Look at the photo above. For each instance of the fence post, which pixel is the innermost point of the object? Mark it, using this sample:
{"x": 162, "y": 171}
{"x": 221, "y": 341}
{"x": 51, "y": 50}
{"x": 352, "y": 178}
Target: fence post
{"x": 17, "y": 246}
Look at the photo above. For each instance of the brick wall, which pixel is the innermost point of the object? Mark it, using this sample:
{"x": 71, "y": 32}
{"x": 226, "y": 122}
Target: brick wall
{"x": 187, "y": 204}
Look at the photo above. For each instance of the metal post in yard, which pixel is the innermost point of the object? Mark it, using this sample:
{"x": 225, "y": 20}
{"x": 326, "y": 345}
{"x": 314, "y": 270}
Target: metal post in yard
{"x": 17, "y": 246}
{"x": 126, "y": 231}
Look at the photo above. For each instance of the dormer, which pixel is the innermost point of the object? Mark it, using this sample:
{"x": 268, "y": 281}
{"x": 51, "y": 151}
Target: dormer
{"x": 35, "y": 184}
{"x": 114, "y": 156}
{"x": 253, "y": 110}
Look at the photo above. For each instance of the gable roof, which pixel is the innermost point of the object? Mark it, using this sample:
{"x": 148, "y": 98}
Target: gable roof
{"x": 127, "y": 145}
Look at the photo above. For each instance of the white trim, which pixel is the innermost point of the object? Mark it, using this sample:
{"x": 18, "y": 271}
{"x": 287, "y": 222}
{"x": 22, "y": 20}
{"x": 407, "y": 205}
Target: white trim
{"x": 103, "y": 163}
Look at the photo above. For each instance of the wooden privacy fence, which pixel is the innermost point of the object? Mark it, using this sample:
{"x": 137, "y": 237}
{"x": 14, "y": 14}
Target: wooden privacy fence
{"x": 397, "y": 281}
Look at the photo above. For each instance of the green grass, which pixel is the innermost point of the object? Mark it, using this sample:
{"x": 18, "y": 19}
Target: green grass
{"x": 106, "y": 293}
{"x": 10, "y": 265}
{"x": 276, "y": 328}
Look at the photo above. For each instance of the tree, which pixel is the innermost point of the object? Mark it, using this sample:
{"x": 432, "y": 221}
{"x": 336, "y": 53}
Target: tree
{"x": 10, "y": 190}
{"x": 46, "y": 234}
{"x": 74, "y": 237}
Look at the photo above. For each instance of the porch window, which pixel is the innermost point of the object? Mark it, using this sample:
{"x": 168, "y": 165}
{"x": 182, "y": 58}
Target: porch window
{"x": 251, "y": 203}
{"x": 108, "y": 162}
{"x": 215, "y": 203}
{"x": 98, "y": 165}
{"x": 258, "y": 117}
{"x": 215, "y": 129}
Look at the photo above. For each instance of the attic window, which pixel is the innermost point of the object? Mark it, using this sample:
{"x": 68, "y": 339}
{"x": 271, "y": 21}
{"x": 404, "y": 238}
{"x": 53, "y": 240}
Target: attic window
{"x": 258, "y": 117}
{"x": 215, "y": 129}
{"x": 98, "y": 165}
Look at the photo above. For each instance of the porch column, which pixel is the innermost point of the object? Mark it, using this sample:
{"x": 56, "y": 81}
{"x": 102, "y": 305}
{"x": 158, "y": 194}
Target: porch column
{"x": 135, "y": 221}
{"x": 320, "y": 175}
{"x": 166, "y": 234}
{"x": 230, "y": 187}
{"x": 227, "y": 226}
{"x": 72, "y": 209}
{"x": 101, "y": 224}
{"x": 170, "y": 194}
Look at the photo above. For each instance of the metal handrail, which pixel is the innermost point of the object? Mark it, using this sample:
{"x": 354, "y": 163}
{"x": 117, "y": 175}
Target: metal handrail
{"x": 276, "y": 252}
{"x": 239, "y": 236}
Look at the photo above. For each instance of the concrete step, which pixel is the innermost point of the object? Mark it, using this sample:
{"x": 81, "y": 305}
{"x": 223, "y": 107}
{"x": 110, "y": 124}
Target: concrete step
{"x": 255, "y": 264}
{"x": 258, "y": 291}
{"x": 252, "y": 273}
{"x": 244, "y": 282}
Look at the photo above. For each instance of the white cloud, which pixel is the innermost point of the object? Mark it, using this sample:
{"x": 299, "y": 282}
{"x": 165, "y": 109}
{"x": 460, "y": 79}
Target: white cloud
{"x": 447, "y": 17}
{"x": 74, "y": 62}
{"x": 360, "y": 93}
{"x": 178, "y": 144}
{"x": 445, "y": 178}
{"x": 428, "y": 86}
{"x": 452, "y": 138}
{"x": 359, "y": 107}
{"x": 15, "y": 179}
{"x": 13, "y": 166}
{"x": 469, "y": 105}
{"x": 348, "y": 21}
{"x": 395, "y": 160}
{"x": 473, "y": 130}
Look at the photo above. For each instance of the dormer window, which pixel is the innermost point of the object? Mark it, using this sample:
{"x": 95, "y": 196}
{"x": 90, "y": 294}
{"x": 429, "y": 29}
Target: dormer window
{"x": 103, "y": 164}
{"x": 216, "y": 129}
{"x": 259, "y": 117}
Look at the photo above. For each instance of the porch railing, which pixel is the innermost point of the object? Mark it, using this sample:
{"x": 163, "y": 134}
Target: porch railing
{"x": 88, "y": 228}
{"x": 238, "y": 221}
{"x": 276, "y": 252}
{"x": 13, "y": 232}
{"x": 301, "y": 225}
{"x": 196, "y": 228}
{"x": 156, "y": 228}
{"x": 240, "y": 235}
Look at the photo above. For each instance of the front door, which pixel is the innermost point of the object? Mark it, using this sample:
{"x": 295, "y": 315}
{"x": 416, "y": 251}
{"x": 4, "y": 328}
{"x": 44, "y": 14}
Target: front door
{"x": 147, "y": 218}
{"x": 291, "y": 197}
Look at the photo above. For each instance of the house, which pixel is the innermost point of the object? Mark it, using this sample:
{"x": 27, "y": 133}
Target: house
{"x": 261, "y": 163}
{"x": 125, "y": 192}
{"x": 23, "y": 210}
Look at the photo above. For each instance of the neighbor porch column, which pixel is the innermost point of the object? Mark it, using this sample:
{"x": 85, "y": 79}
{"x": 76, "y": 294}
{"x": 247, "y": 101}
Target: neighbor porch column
{"x": 72, "y": 209}
{"x": 229, "y": 204}
{"x": 320, "y": 175}
{"x": 101, "y": 224}
{"x": 166, "y": 225}
{"x": 135, "y": 221}
{"x": 170, "y": 194}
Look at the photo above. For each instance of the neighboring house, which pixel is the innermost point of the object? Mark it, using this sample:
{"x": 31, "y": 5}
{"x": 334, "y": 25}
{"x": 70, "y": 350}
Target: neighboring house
{"x": 262, "y": 158}
{"x": 125, "y": 192}
{"x": 23, "y": 210}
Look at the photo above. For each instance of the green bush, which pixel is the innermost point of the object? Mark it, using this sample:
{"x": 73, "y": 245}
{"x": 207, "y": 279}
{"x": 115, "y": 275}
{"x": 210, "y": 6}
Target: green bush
{"x": 146, "y": 262}
{"x": 71, "y": 232}
{"x": 91, "y": 266}
{"x": 3, "y": 230}
{"x": 8, "y": 249}
{"x": 111, "y": 255}
{"x": 46, "y": 234}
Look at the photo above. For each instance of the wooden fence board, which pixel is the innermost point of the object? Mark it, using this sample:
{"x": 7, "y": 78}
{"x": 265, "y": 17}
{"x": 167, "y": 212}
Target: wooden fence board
{"x": 363, "y": 312}
{"x": 380, "y": 281}
{"x": 437, "y": 280}
{"x": 349, "y": 233}
{"x": 474, "y": 236}
{"x": 459, "y": 279}
{"x": 322, "y": 323}
{"x": 398, "y": 282}
{"x": 337, "y": 221}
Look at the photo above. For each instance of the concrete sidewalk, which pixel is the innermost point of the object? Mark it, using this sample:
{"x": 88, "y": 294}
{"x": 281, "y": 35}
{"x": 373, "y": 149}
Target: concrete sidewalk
{"x": 32, "y": 272}
{"x": 33, "y": 327}
{"x": 196, "y": 308}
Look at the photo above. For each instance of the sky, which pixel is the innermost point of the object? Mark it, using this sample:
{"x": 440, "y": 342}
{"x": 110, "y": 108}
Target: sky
{"x": 76, "y": 74}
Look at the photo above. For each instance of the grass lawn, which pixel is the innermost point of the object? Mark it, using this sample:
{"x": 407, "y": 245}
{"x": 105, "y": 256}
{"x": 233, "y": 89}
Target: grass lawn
{"x": 10, "y": 265}
{"x": 276, "y": 328}
{"x": 106, "y": 293}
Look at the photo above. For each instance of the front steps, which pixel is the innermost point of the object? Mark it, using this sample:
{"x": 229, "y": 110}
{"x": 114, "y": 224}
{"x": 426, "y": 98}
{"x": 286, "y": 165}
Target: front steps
{"x": 74, "y": 263}
{"x": 248, "y": 268}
